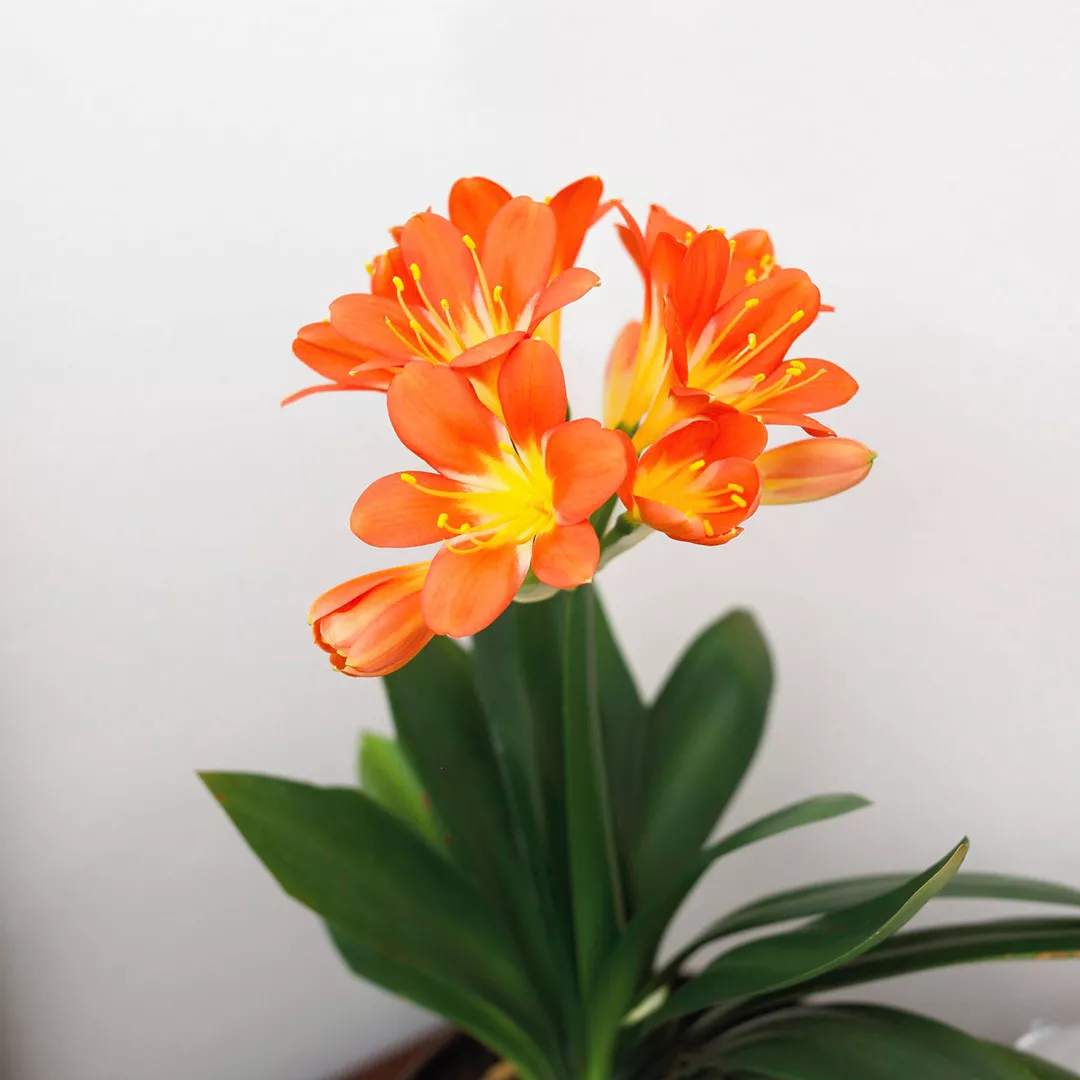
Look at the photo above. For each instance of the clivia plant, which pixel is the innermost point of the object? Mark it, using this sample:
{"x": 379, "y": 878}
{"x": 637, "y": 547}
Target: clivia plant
{"x": 514, "y": 857}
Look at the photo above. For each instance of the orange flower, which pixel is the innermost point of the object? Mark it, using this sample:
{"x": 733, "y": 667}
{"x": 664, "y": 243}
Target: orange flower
{"x": 813, "y": 469}
{"x": 461, "y": 291}
{"x": 698, "y": 482}
{"x": 506, "y": 494}
{"x": 719, "y": 319}
{"x": 372, "y": 625}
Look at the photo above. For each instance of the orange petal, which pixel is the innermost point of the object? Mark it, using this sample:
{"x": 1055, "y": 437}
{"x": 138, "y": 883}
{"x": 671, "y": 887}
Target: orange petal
{"x": 348, "y": 591}
{"x": 812, "y": 469}
{"x": 738, "y": 435}
{"x": 518, "y": 251}
{"x": 334, "y": 356}
{"x": 437, "y": 415}
{"x": 447, "y": 271}
{"x": 676, "y": 340}
{"x": 466, "y": 591}
{"x": 567, "y": 556}
{"x": 619, "y": 374}
{"x": 779, "y": 418}
{"x": 824, "y": 385}
{"x": 751, "y": 247}
{"x": 474, "y": 201}
{"x": 569, "y": 286}
{"x": 662, "y": 223}
{"x": 532, "y": 391}
{"x": 697, "y": 288}
{"x": 387, "y": 266}
{"x": 574, "y": 208}
{"x": 586, "y": 463}
{"x": 633, "y": 239}
{"x": 361, "y": 318}
{"x": 665, "y": 262}
{"x": 491, "y": 349}
{"x": 394, "y": 512}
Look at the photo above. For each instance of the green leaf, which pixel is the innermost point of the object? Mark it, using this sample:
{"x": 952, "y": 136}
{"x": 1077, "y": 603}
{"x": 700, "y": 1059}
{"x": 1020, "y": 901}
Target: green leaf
{"x": 945, "y": 946}
{"x": 705, "y": 728}
{"x": 390, "y": 780}
{"x": 834, "y": 895}
{"x": 625, "y": 723}
{"x": 628, "y": 964}
{"x": 484, "y": 1021}
{"x": 443, "y": 729}
{"x": 594, "y": 873}
{"x": 594, "y": 877}
{"x": 862, "y": 1043}
{"x": 361, "y": 868}
{"x": 1040, "y": 1069}
{"x": 773, "y": 963}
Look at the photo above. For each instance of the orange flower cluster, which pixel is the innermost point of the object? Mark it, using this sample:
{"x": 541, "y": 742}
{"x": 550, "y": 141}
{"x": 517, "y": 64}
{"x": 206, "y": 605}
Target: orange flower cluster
{"x": 461, "y": 329}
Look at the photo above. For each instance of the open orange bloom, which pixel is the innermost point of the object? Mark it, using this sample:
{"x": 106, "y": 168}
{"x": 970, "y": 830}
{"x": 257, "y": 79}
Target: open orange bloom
{"x": 698, "y": 482}
{"x": 372, "y": 625}
{"x": 508, "y": 493}
{"x": 813, "y": 469}
{"x": 461, "y": 291}
{"x": 719, "y": 320}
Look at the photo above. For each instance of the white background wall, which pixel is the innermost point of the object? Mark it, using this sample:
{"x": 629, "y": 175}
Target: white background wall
{"x": 186, "y": 183}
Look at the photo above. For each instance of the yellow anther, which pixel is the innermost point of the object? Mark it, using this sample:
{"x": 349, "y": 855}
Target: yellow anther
{"x": 751, "y": 340}
{"x": 737, "y": 488}
{"x": 731, "y": 245}
{"x": 444, "y": 304}
{"x": 752, "y": 302}
{"x": 688, "y": 236}
{"x": 794, "y": 371}
{"x": 705, "y": 524}
{"x": 469, "y": 242}
{"x": 415, "y": 271}
{"x": 800, "y": 314}
{"x": 766, "y": 261}
{"x": 408, "y": 478}
{"x": 442, "y": 520}
{"x": 399, "y": 284}
{"x": 547, "y": 200}
{"x": 759, "y": 377}
{"x": 496, "y": 294}
{"x": 415, "y": 326}
{"x": 738, "y": 500}
{"x": 751, "y": 277}
{"x": 370, "y": 268}
{"x": 326, "y": 320}
{"x": 696, "y": 465}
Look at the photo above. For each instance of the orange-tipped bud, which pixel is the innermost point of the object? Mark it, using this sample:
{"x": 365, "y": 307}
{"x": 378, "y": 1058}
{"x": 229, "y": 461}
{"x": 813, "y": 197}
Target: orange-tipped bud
{"x": 372, "y": 625}
{"x": 812, "y": 469}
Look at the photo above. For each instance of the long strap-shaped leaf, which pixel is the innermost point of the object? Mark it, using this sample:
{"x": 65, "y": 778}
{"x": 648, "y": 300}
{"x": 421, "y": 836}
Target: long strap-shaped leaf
{"x": 776, "y": 962}
{"x": 704, "y": 730}
{"x": 861, "y": 1043}
{"x": 594, "y": 872}
{"x": 371, "y": 875}
{"x": 474, "y": 1014}
{"x": 387, "y": 776}
{"x": 945, "y": 946}
{"x": 1040, "y": 1069}
{"x": 443, "y": 730}
{"x": 629, "y": 963}
{"x": 828, "y": 896}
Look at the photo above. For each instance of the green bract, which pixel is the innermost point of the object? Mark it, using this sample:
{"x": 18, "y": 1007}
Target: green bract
{"x": 514, "y": 859}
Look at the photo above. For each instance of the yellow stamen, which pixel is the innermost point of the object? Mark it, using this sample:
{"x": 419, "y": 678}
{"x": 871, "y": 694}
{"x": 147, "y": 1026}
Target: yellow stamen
{"x": 731, "y": 246}
{"x": 688, "y": 236}
{"x": 750, "y": 277}
{"x": 415, "y": 271}
{"x": 426, "y": 343}
{"x": 707, "y": 526}
{"x": 736, "y": 487}
{"x": 370, "y": 268}
{"x": 409, "y": 478}
{"x": 738, "y": 500}
{"x": 696, "y": 465}
{"x": 485, "y": 292}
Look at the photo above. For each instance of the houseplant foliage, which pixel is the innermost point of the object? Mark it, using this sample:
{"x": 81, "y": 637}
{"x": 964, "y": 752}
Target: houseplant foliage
{"x": 513, "y": 858}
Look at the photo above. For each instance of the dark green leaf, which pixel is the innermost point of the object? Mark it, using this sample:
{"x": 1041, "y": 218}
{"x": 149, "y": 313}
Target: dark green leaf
{"x": 594, "y": 877}
{"x": 834, "y": 895}
{"x": 468, "y": 1011}
{"x": 629, "y": 962}
{"x": 362, "y": 869}
{"x": 443, "y": 729}
{"x": 773, "y": 963}
{"x": 1040, "y": 1069}
{"x": 944, "y": 946}
{"x": 704, "y": 730}
{"x": 862, "y": 1043}
{"x": 390, "y": 780}
{"x": 625, "y": 731}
